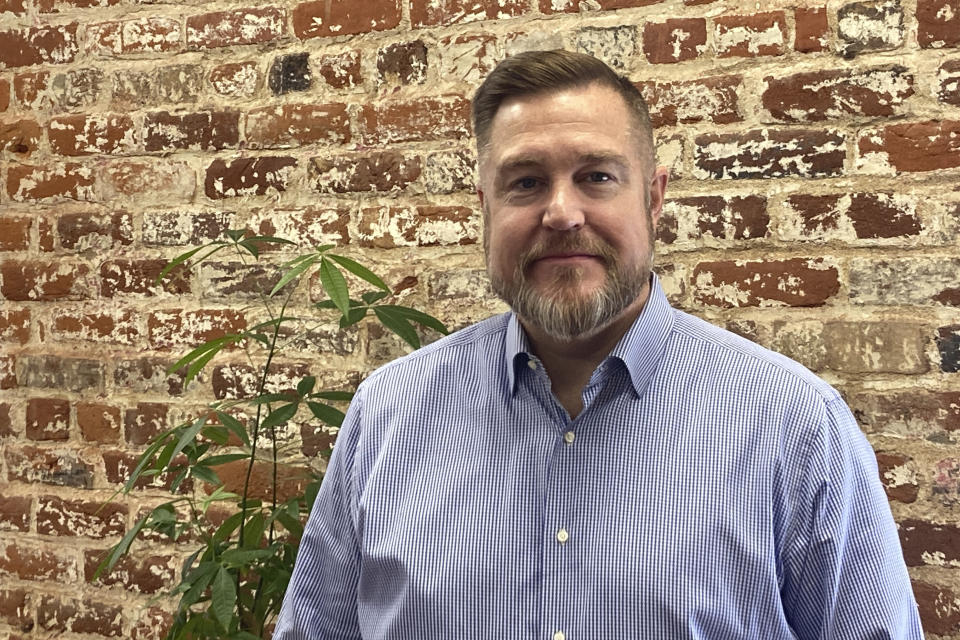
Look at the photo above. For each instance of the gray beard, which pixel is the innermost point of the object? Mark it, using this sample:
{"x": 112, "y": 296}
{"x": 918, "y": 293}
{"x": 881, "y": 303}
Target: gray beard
{"x": 562, "y": 313}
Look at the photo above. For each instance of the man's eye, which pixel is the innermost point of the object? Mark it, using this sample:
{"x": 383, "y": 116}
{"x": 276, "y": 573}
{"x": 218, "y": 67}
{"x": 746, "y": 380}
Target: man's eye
{"x": 525, "y": 183}
{"x": 598, "y": 176}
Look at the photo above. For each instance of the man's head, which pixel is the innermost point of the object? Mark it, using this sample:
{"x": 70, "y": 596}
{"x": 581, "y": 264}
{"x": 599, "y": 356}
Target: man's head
{"x": 543, "y": 72}
{"x": 569, "y": 190}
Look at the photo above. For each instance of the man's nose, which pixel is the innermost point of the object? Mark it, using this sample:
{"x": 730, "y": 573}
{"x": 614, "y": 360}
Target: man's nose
{"x": 563, "y": 210}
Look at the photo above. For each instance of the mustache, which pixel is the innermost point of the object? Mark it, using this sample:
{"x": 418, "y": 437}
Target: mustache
{"x": 566, "y": 244}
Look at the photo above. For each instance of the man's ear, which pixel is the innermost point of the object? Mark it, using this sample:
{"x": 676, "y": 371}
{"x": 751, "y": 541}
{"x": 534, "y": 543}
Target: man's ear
{"x": 658, "y": 190}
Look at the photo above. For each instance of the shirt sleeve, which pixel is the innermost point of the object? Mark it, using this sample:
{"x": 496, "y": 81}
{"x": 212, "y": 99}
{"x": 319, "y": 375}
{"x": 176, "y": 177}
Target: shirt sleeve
{"x": 321, "y": 599}
{"x": 847, "y": 578}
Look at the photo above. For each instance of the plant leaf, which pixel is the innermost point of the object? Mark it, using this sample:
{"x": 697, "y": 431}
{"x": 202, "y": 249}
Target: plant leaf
{"x": 335, "y": 396}
{"x": 373, "y": 296}
{"x": 183, "y": 257}
{"x": 223, "y": 598}
{"x": 240, "y": 557}
{"x": 118, "y": 550}
{"x": 206, "y": 474}
{"x": 234, "y": 425}
{"x": 335, "y": 285}
{"x": 280, "y": 415}
{"x": 417, "y": 316}
{"x": 294, "y": 272}
{"x": 398, "y": 324}
{"x": 360, "y": 271}
{"x": 306, "y": 385}
{"x": 325, "y": 412}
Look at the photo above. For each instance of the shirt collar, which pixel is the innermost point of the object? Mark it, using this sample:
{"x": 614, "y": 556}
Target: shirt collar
{"x": 640, "y": 348}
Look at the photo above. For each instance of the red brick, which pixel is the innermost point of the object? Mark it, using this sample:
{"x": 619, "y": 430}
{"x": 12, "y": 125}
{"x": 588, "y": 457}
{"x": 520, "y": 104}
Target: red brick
{"x": 50, "y": 466}
{"x": 898, "y": 476}
{"x": 142, "y": 35}
{"x": 231, "y": 381}
{"x": 15, "y": 513}
{"x": 85, "y": 231}
{"x": 8, "y": 380}
{"x": 697, "y": 218}
{"x": 871, "y": 215}
{"x": 378, "y": 172}
{"x": 341, "y": 70}
{"x": 548, "y": 7}
{"x": 913, "y": 146}
{"x": 98, "y": 422}
{"x": 19, "y": 137}
{"x": 938, "y": 23}
{"x": 388, "y": 227}
{"x": 235, "y": 79}
{"x": 872, "y": 25}
{"x": 412, "y": 121}
{"x": 59, "y": 517}
{"x": 13, "y": 6}
{"x": 308, "y": 227}
{"x": 48, "y": 419}
{"x": 402, "y": 62}
{"x": 46, "y": 371}
{"x": 240, "y": 26}
{"x": 45, "y": 235}
{"x": 796, "y": 282}
{"x": 144, "y": 422}
{"x": 687, "y": 101}
{"x": 674, "y": 40}
{"x": 812, "y": 29}
{"x": 173, "y": 228}
{"x": 148, "y": 375}
{"x": 31, "y": 89}
{"x": 53, "y": 180}
{"x": 291, "y": 480}
{"x": 133, "y": 89}
{"x": 87, "y": 134}
{"x": 138, "y": 278}
{"x": 821, "y": 95}
{"x": 118, "y": 465}
{"x": 166, "y": 180}
{"x": 445, "y": 12}
{"x": 16, "y": 608}
{"x": 939, "y": 608}
{"x": 4, "y": 94}
{"x": 55, "y": 6}
{"x": 38, "y": 45}
{"x": 292, "y": 125}
{"x": 468, "y": 58}
{"x": 247, "y": 176}
{"x": 209, "y": 130}
{"x": 946, "y": 482}
{"x": 63, "y": 615}
{"x": 103, "y": 327}
{"x": 344, "y": 17}
{"x": 153, "y": 625}
{"x": 760, "y": 34}
{"x": 948, "y": 89}
{"x": 767, "y": 153}
{"x": 178, "y": 328}
{"x": 150, "y": 574}
{"x": 928, "y": 543}
{"x": 44, "y": 281}
{"x": 27, "y": 562}
{"x": 14, "y": 325}
{"x": 77, "y": 88}
{"x": 15, "y": 233}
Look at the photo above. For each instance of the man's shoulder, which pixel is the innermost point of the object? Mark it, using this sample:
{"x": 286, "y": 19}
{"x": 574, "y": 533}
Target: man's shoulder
{"x": 465, "y": 347}
{"x": 742, "y": 361}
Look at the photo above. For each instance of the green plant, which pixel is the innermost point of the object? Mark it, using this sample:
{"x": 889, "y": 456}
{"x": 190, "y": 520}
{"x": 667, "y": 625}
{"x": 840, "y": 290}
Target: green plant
{"x": 232, "y": 584}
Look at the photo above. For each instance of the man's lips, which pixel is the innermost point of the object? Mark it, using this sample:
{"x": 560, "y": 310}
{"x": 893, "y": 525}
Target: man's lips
{"x": 568, "y": 257}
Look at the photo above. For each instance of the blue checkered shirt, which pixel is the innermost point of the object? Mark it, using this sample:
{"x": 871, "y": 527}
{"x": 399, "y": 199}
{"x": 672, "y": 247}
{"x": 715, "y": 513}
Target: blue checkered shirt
{"x": 710, "y": 489}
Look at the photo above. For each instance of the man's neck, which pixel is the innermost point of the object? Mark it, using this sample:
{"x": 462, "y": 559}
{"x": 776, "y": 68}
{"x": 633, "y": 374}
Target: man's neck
{"x": 570, "y": 363}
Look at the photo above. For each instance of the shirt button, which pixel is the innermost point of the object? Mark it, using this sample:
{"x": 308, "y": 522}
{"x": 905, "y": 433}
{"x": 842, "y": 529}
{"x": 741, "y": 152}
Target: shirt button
{"x": 569, "y": 437}
{"x": 532, "y": 364}
{"x": 562, "y": 536}
{"x": 559, "y": 635}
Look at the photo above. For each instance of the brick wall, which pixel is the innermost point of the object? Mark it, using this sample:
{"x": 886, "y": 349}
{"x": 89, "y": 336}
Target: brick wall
{"x": 814, "y": 207}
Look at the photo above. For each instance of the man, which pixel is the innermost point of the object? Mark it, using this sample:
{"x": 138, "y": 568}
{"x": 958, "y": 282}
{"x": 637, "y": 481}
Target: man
{"x": 594, "y": 464}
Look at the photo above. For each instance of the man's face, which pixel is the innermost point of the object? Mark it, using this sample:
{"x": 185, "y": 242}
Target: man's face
{"x": 570, "y": 206}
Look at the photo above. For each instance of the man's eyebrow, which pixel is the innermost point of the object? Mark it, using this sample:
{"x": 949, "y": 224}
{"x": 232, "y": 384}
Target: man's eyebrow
{"x": 529, "y": 161}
